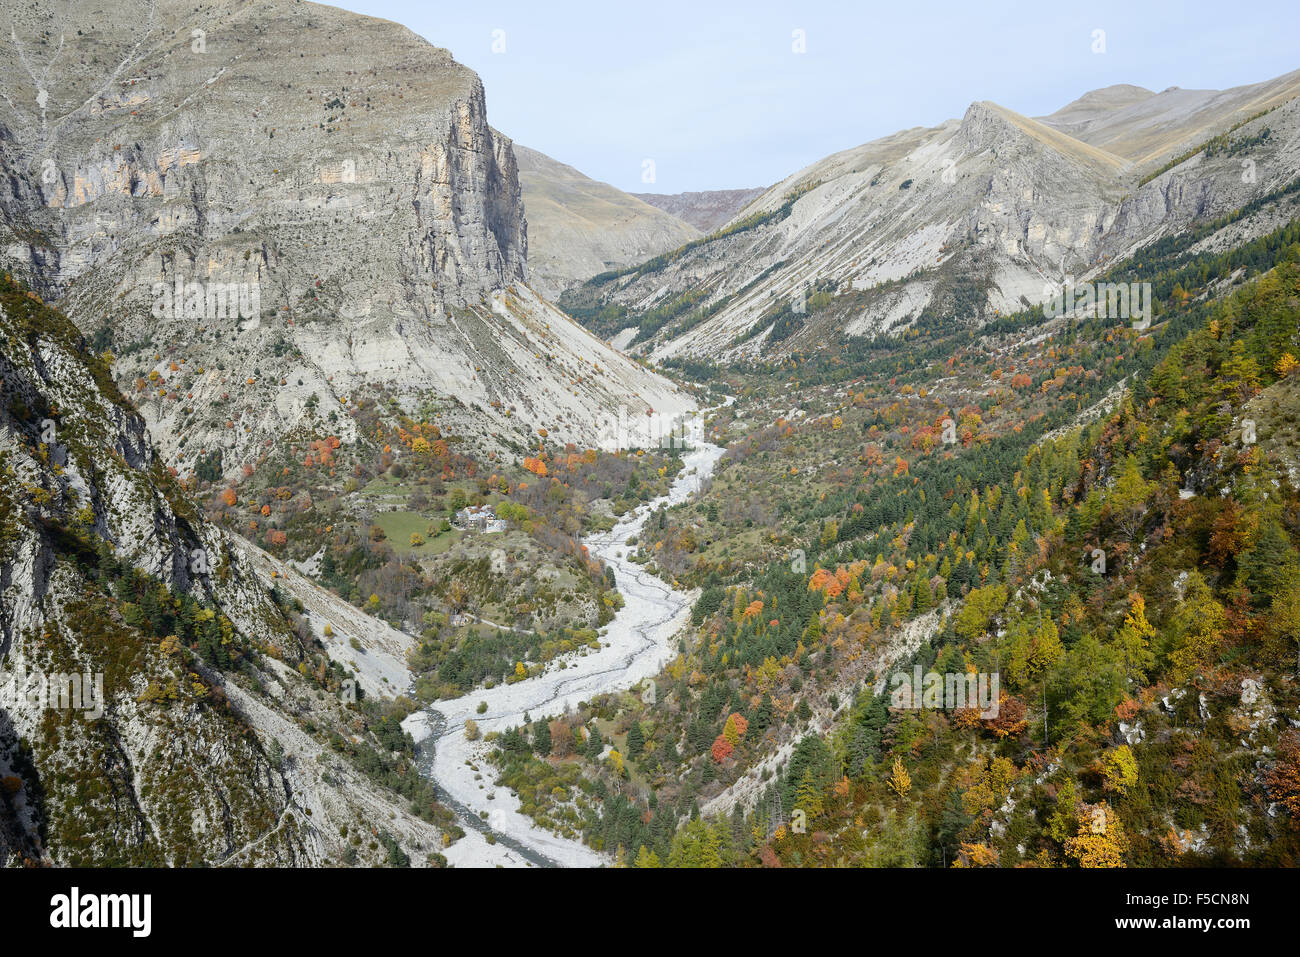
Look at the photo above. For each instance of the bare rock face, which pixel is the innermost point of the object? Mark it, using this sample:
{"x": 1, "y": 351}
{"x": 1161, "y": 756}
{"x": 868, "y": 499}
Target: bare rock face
{"x": 706, "y": 210}
{"x": 968, "y": 220}
{"x": 278, "y": 136}
{"x": 326, "y": 191}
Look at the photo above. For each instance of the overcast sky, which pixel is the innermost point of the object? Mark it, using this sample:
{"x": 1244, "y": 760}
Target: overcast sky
{"x": 715, "y": 94}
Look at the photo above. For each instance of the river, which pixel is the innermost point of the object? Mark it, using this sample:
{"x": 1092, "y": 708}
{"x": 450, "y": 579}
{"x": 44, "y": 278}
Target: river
{"x": 635, "y": 645}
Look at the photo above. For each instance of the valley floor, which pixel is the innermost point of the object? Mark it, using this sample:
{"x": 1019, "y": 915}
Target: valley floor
{"x": 636, "y": 645}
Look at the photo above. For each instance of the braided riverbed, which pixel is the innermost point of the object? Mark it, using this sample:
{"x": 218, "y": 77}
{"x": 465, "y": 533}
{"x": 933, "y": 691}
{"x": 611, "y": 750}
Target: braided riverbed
{"x": 635, "y": 645}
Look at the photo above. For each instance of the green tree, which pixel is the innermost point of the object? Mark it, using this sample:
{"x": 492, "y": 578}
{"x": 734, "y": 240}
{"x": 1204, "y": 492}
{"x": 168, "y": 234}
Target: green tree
{"x": 697, "y": 844}
{"x": 1034, "y": 649}
{"x": 1197, "y": 628}
{"x": 1262, "y": 567}
{"x": 1284, "y": 613}
{"x": 542, "y": 738}
{"x": 978, "y": 610}
{"x": 1134, "y": 641}
{"x": 1087, "y": 684}
{"x": 635, "y": 740}
{"x": 646, "y": 858}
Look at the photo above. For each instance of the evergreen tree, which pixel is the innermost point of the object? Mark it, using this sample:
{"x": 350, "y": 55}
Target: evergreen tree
{"x": 635, "y": 740}
{"x": 646, "y": 858}
{"x": 542, "y": 738}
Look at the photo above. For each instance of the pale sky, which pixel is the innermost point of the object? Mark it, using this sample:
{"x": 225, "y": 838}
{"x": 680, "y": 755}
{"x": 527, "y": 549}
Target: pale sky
{"x": 717, "y": 96}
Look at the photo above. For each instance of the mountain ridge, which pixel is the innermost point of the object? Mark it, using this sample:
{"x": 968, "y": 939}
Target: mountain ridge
{"x": 706, "y": 210}
{"x": 976, "y": 217}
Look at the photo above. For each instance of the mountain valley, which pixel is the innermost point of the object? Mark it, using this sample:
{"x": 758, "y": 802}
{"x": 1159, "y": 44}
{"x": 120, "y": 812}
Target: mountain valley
{"x": 380, "y": 492}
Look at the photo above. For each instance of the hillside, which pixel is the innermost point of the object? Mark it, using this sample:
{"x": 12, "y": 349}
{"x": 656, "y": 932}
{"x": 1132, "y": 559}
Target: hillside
{"x": 200, "y": 722}
{"x": 1100, "y": 517}
{"x": 578, "y": 227}
{"x": 971, "y": 220}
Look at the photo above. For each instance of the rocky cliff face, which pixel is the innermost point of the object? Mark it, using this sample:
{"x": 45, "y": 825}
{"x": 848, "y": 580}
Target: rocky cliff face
{"x": 120, "y": 742}
{"x": 327, "y": 192}
{"x": 964, "y": 221}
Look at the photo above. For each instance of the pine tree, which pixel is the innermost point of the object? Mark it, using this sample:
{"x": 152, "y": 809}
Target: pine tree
{"x": 924, "y": 595}
{"x": 542, "y": 738}
{"x": 814, "y": 629}
{"x": 1263, "y": 565}
{"x": 646, "y": 858}
{"x": 635, "y": 740}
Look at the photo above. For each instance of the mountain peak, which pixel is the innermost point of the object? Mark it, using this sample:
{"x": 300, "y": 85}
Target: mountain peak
{"x": 987, "y": 124}
{"x": 1103, "y": 100}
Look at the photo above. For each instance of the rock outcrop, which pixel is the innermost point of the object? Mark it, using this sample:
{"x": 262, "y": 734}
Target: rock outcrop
{"x": 326, "y": 189}
{"x": 120, "y": 741}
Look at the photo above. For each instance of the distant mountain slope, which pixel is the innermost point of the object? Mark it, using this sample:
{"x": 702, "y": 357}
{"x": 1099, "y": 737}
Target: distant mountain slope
{"x": 705, "y": 210}
{"x": 578, "y": 227}
{"x": 960, "y": 222}
{"x": 1148, "y": 128}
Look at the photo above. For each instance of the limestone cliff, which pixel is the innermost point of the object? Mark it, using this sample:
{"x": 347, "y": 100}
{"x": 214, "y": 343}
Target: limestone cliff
{"x": 334, "y": 174}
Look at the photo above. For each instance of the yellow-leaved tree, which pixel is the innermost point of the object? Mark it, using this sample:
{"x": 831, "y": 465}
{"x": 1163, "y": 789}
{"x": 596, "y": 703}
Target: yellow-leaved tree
{"x": 900, "y": 782}
{"x": 1134, "y": 640}
{"x": 1100, "y": 841}
{"x": 1120, "y": 769}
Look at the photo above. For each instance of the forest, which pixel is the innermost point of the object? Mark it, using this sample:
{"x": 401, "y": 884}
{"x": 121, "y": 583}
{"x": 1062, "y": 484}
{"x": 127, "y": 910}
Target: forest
{"x": 1119, "y": 545}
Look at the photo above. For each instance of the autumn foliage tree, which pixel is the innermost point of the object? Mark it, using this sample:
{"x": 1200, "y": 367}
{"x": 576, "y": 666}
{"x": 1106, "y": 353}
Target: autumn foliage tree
{"x": 1283, "y": 778}
{"x": 1100, "y": 841}
{"x": 900, "y": 782}
{"x": 735, "y": 728}
{"x": 722, "y": 749}
{"x": 1009, "y": 722}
